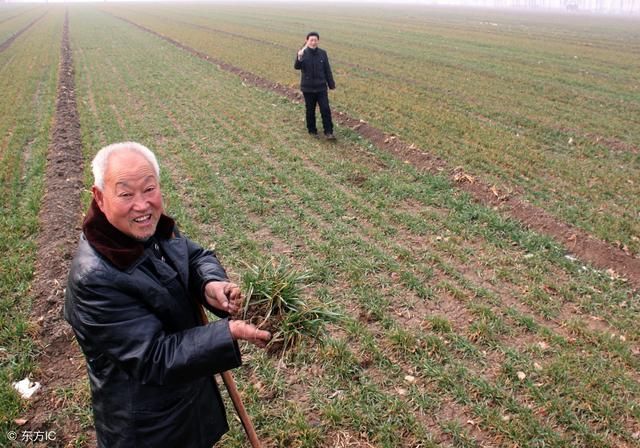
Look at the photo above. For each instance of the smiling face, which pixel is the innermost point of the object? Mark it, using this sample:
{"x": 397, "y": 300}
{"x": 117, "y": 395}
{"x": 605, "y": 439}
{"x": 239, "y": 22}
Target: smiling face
{"x": 131, "y": 199}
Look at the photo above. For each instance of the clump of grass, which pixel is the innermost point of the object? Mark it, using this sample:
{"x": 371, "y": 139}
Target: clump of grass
{"x": 274, "y": 302}
{"x": 440, "y": 324}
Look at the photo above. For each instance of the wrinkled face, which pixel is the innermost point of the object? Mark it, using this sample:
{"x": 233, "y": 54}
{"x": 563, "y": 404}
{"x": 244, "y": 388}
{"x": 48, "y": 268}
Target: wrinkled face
{"x": 312, "y": 42}
{"x": 131, "y": 199}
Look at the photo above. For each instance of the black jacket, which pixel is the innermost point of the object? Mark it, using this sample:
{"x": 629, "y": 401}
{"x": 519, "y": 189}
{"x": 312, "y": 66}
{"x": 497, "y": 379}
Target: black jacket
{"x": 315, "y": 71}
{"x": 138, "y": 321}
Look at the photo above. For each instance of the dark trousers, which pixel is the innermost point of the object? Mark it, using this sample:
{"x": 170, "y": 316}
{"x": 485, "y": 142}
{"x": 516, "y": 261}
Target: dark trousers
{"x": 310, "y": 101}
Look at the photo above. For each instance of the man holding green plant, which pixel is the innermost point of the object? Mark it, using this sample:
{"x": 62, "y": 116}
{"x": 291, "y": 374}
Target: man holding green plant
{"x": 315, "y": 77}
{"x": 134, "y": 298}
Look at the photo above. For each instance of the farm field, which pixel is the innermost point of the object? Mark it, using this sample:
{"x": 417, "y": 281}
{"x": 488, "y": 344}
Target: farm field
{"x": 462, "y": 328}
{"x": 544, "y": 105}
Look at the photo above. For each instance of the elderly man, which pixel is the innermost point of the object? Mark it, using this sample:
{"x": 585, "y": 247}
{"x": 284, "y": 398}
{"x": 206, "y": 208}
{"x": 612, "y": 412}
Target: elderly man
{"x": 134, "y": 298}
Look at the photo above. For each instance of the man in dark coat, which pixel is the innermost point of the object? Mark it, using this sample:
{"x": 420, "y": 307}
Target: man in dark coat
{"x": 134, "y": 298}
{"x": 315, "y": 77}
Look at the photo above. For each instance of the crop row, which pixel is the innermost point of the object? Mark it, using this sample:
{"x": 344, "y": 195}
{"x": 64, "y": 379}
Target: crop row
{"x": 28, "y": 76}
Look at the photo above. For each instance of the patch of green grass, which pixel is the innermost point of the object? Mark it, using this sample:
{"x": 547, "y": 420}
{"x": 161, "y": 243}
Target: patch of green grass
{"x": 274, "y": 300}
{"x": 76, "y": 404}
{"x": 440, "y": 324}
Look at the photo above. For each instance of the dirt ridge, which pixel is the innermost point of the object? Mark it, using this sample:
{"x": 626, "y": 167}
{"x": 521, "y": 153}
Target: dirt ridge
{"x": 59, "y": 359}
{"x": 615, "y": 261}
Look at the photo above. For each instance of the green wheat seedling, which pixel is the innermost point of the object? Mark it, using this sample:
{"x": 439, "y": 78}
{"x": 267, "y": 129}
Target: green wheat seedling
{"x": 274, "y": 301}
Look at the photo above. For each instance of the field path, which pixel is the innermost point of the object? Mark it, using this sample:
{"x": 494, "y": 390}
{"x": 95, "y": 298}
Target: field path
{"x": 60, "y": 361}
{"x": 616, "y": 261}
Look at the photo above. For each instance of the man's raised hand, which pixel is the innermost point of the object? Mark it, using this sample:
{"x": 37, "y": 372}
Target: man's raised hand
{"x": 301, "y": 51}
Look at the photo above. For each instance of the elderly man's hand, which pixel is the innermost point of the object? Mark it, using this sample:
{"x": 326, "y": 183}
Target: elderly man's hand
{"x": 249, "y": 332}
{"x": 223, "y": 296}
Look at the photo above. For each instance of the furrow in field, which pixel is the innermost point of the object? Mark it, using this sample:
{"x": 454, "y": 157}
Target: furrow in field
{"x": 60, "y": 360}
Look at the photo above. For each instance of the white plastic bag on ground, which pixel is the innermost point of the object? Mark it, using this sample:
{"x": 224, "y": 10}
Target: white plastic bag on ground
{"x": 26, "y": 388}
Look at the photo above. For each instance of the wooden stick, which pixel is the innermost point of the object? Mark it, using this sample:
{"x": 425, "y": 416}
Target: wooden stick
{"x": 242, "y": 413}
{"x": 235, "y": 398}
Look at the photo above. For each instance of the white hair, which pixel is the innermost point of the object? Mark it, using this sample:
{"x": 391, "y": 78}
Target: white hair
{"x": 100, "y": 161}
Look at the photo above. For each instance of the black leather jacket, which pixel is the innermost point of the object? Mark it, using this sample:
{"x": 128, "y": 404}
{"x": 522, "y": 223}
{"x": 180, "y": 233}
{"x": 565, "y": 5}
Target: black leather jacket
{"x": 149, "y": 358}
{"x": 315, "y": 70}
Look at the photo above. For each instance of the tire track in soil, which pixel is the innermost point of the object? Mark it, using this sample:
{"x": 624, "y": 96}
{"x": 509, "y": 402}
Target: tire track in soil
{"x": 6, "y": 19}
{"x": 617, "y": 262}
{"x": 60, "y": 361}
{"x": 7, "y": 43}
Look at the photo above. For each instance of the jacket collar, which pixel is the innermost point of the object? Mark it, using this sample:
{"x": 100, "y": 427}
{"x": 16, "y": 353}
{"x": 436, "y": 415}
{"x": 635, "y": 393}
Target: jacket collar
{"x": 115, "y": 246}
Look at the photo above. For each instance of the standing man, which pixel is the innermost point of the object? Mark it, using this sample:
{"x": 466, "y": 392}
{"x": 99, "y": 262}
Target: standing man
{"x": 316, "y": 76}
{"x": 134, "y": 298}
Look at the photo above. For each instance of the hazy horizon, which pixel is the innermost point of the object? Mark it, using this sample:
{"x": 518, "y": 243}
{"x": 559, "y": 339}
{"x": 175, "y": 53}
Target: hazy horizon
{"x": 607, "y": 7}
